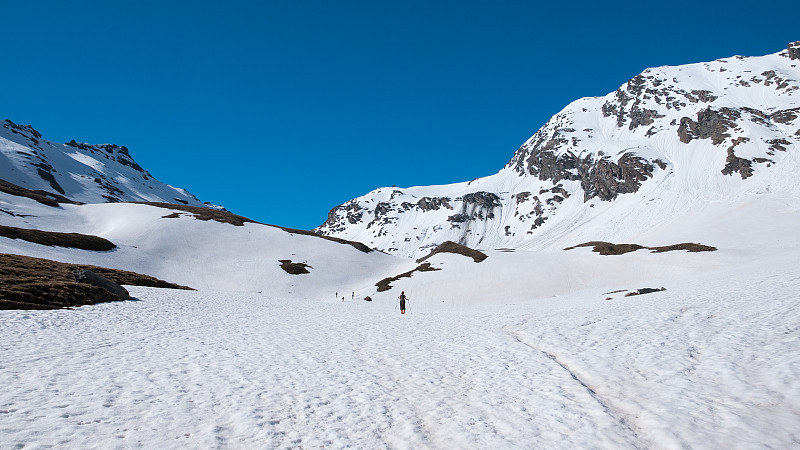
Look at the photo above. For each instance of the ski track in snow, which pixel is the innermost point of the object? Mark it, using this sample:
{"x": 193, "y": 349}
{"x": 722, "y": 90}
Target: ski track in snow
{"x": 711, "y": 364}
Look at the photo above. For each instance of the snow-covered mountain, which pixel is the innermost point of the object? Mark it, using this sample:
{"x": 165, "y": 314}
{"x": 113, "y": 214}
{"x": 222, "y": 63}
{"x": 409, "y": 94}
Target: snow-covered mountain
{"x": 81, "y": 172}
{"x": 669, "y": 140}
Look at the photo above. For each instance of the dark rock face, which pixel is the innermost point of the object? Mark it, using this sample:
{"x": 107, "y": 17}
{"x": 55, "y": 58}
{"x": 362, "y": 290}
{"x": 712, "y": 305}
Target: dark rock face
{"x": 718, "y": 125}
{"x": 642, "y": 117}
{"x": 89, "y": 277}
{"x": 710, "y": 124}
{"x": 352, "y": 213}
{"x": 794, "y": 50}
{"x": 786, "y": 115}
{"x": 482, "y": 199}
{"x": 382, "y": 214}
{"x": 778, "y": 145}
{"x": 25, "y": 130}
{"x": 735, "y": 164}
{"x": 476, "y": 206}
{"x": 433, "y": 203}
{"x": 627, "y": 103}
{"x": 45, "y": 172}
{"x": 458, "y": 218}
{"x": 606, "y": 179}
{"x": 701, "y": 96}
{"x": 110, "y": 151}
{"x": 522, "y": 197}
{"x": 601, "y": 177}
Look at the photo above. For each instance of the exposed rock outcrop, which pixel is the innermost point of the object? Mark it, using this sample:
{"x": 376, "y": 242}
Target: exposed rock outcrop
{"x": 710, "y": 124}
{"x": 794, "y": 50}
{"x": 89, "y": 277}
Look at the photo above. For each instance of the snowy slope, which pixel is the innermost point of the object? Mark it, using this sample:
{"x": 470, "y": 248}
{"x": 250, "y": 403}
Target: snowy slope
{"x": 81, "y": 172}
{"x": 668, "y": 141}
{"x": 712, "y": 363}
{"x": 205, "y": 255}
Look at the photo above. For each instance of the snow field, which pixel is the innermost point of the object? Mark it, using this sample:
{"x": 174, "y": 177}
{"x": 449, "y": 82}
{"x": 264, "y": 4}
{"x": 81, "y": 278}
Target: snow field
{"x": 712, "y": 363}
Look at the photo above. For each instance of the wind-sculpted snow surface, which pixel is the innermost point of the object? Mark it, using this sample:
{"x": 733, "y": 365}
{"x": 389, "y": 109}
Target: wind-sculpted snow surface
{"x": 710, "y": 363}
{"x": 81, "y": 172}
{"x": 718, "y": 129}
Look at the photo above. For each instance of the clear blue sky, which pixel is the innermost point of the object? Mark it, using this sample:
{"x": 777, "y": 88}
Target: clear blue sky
{"x": 281, "y": 110}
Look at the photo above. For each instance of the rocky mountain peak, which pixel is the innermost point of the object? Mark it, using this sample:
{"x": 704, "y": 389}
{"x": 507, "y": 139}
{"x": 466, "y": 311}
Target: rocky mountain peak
{"x": 699, "y": 123}
{"x": 89, "y": 173}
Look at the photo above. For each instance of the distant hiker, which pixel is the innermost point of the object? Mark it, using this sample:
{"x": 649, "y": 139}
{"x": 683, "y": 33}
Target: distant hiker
{"x": 353, "y": 296}
{"x": 336, "y": 295}
{"x": 403, "y": 302}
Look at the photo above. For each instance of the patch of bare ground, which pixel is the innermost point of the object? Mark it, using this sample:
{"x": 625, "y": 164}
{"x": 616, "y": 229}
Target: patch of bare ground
{"x": 55, "y": 239}
{"x": 43, "y": 197}
{"x": 607, "y": 248}
{"x": 357, "y": 245}
{"x": 201, "y": 213}
{"x": 688, "y": 246}
{"x": 386, "y": 283}
{"x": 294, "y": 268}
{"x": 643, "y": 291}
{"x": 452, "y": 247}
{"x": 36, "y": 283}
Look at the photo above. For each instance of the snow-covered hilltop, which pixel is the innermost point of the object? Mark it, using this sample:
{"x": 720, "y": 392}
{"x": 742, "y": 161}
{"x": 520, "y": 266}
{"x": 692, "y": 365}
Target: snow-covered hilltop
{"x": 82, "y": 172}
{"x": 668, "y": 139}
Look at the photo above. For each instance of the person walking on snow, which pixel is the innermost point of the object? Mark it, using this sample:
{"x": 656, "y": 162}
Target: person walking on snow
{"x": 403, "y": 302}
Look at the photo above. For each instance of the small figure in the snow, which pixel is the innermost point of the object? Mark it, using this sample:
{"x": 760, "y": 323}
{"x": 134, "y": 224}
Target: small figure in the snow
{"x": 353, "y": 296}
{"x": 403, "y": 302}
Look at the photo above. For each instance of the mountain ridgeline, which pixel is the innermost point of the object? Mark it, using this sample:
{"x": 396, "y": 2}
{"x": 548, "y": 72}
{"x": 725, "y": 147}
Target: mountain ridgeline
{"x": 88, "y": 173}
{"x": 668, "y": 138}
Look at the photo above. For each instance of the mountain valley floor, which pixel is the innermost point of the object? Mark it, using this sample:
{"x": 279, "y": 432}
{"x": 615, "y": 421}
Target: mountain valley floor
{"x": 710, "y": 363}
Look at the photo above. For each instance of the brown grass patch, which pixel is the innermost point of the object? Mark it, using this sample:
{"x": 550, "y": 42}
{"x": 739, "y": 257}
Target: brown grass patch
{"x": 55, "y": 239}
{"x": 293, "y": 267}
{"x": 385, "y": 284}
{"x": 607, "y": 248}
{"x": 201, "y": 213}
{"x": 452, "y": 247}
{"x": 35, "y": 283}
{"x": 688, "y": 246}
{"x": 643, "y": 291}
{"x": 43, "y": 197}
